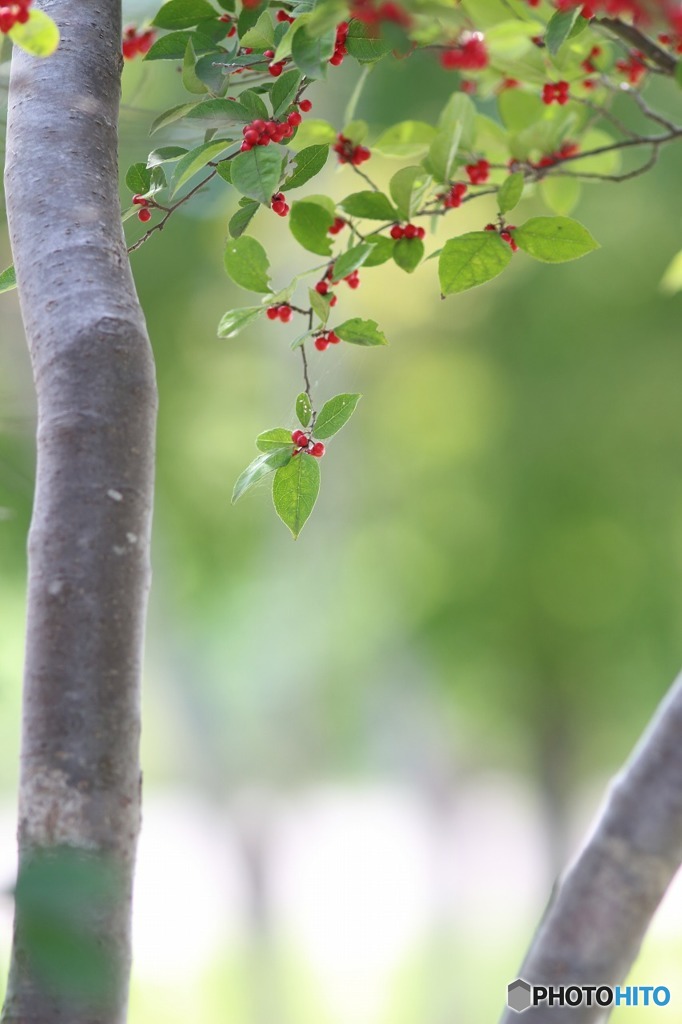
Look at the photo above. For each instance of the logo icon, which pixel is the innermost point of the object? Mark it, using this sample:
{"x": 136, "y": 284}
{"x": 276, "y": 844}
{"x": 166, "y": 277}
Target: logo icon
{"x": 518, "y": 995}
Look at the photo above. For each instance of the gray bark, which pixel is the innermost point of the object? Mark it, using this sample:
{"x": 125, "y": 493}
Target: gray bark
{"x": 595, "y": 924}
{"x": 79, "y": 797}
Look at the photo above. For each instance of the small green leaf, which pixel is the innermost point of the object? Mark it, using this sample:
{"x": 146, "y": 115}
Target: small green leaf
{"x": 443, "y": 153}
{"x": 459, "y": 113}
{"x": 307, "y": 164}
{"x": 183, "y": 13}
{"x": 8, "y": 280}
{"x": 470, "y": 260}
{"x": 304, "y": 409}
{"x": 262, "y": 35}
{"x": 408, "y": 187}
{"x": 39, "y": 36}
{"x": 294, "y": 491}
{"x": 309, "y": 223}
{"x": 219, "y": 111}
{"x": 190, "y": 80}
{"x": 554, "y": 239}
{"x": 284, "y": 91}
{"x": 361, "y": 332}
{"x": 241, "y": 219}
{"x": 195, "y": 161}
{"x": 139, "y": 179}
{"x": 382, "y": 250}
{"x": 351, "y": 260}
{"x": 169, "y": 47}
{"x": 510, "y": 192}
{"x": 274, "y": 440}
{"x": 311, "y": 53}
{"x": 320, "y": 305}
{"x": 170, "y": 115}
{"x": 364, "y": 44}
{"x": 235, "y": 320}
{"x": 372, "y": 205}
{"x": 254, "y": 104}
{"x": 406, "y": 139}
{"x": 334, "y": 414}
{"x": 559, "y": 28}
{"x": 247, "y": 264}
{"x": 260, "y": 467}
{"x": 165, "y": 155}
{"x": 256, "y": 172}
{"x": 408, "y": 253}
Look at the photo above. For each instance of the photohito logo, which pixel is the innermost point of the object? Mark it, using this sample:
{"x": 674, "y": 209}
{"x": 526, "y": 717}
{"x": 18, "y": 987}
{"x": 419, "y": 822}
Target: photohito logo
{"x": 521, "y": 995}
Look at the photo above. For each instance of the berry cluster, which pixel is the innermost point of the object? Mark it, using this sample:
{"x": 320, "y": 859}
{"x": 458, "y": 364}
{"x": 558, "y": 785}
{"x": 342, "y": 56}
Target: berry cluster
{"x": 453, "y": 198}
{"x": 409, "y": 231}
{"x": 505, "y": 235}
{"x": 338, "y": 225}
{"x": 136, "y": 43}
{"x": 566, "y": 150}
{"x": 284, "y": 313}
{"x": 144, "y": 213}
{"x": 275, "y": 67}
{"x": 323, "y": 341}
{"x": 349, "y": 153}
{"x": 478, "y": 172}
{"x": 469, "y": 54}
{"x": 588, "y": 65}
{"x": 303, "y": 442}
{"x": 633, "y": 67}
{"x": 305, "y": 105}
{"x": 555, "y": 92}
{"x": 279, "y": 205}
{"x": 16, "y": 13}
{"x": 262, "y": 133}
{"x": 371, "y": 13}
{"x": 340, "y": 50}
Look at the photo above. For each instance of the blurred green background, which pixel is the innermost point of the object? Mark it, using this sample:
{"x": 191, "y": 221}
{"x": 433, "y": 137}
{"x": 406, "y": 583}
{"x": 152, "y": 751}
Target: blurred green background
{"x": 368, "y": 754}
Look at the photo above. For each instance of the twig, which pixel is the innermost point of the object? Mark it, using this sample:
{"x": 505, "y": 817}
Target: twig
{"x": 634, "y": 37}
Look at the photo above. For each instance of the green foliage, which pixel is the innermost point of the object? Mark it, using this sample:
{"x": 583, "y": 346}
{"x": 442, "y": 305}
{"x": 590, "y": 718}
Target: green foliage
{"x": 470, "y": 260}
{"x": 554, "y": 239}
{"x": 294, "y": 491}
{"x": 8, "y": 280}
{"x": 309, "y": 223}
{"x": 361, "y": 332}
{"x": 510, "y": 192}
{"x": 334, "y": 414}
{"x": 247, "y": 263}
{"x": 39, "y": 36}
{"x": 256, "y": 174}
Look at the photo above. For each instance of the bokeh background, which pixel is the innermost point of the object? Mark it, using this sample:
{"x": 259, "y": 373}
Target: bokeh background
{"x": 368, "y": 754}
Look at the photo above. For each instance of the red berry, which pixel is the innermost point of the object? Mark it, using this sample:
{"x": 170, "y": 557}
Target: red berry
{"x": 333, "y": 338}
{"x": 321, "y": 343}
{"x": 294, "y": 119}
{"x": 410, "y": 231}
{"x": 397, "y": 232}
{"x": 251, "y": 135}
{"x": 317, "y": 450}
{"x": 303, "y": 441}
{"x": 139, "y": 200}
{"x": 321, "y": 287}
{"x": 276, "y": 69}
{"x": 305, "y": 106}
{"x": 286, "y": 314}
{"x": 268, "y": 53}
{"x": 144, "y": 215}
{"x": 421, "y": 233}
{"x": 280, "y": 208}
{"x": 272, "y": 312}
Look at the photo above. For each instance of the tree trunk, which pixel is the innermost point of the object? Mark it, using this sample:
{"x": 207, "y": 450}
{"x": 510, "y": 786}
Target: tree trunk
{"x": 79, "y": 796}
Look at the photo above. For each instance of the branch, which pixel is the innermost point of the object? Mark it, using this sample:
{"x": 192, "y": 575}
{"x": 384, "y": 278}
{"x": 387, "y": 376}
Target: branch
{"x": 593, "y": 928}
{"x": 634, "y": 37}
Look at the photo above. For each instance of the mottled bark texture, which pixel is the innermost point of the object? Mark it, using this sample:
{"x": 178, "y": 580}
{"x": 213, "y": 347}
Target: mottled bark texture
{"x": 594, "y": 925}
{"x": 79, "y": 799}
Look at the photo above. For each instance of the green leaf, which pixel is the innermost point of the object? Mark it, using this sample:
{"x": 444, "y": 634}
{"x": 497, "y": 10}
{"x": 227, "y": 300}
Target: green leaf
{"x": 470, "y": 260}
{"x": 247, "y": 263}
{"x": 139, "y": 179}
{"x": 334, "y": 414}
{"x": 554, "y": 239}
{"x": 520, "y": 110}
{"x": 261, "y": 466}
{"x": 38, "y": 36}
{"x": 190, "y": 79}
{"x": 671, "y": 282}
{"x": 307, "y": 164}
{"x": 170, "y": 115}
{"x": 443, "y": 153}
{"x": 274, "y": 440}
{"x": 183, "y": 13}
{"x": 8, "y": 280}
{"x": 678, "y": 73}
{"x": 262, "y": 35}
{"x": 313, "y": 131}
{"x": 372, "y": 205}
{"x": 364, "y": 44}
{"x": 209, "y": 71}
{"x": 235, "y": 320}
{"x": 320, "y": 305}
{"x": 165, "y": 155}
{"x": 560, "y": 194}
{"x": 408, "y": 253}
{"x": 361, "y": 332}
{"x": 559, "y": 28}
{"x": 169, "y": 47}
{"x": 194, "y": 161}
{"x": 510, "y": 192}
{"x": 256, "y": 172}
{"x": 309, "y": 223}
{"x": 351, "y": 259}
{"x": 241, "y": 219}
{"x": 304, "y": 409}
{"x": 294, "y": 491}
{"x": 284, "y": 91}
{"x": 408, "y": 188}
{"x": 382, "y": 250}
{"x": 311, "y": 53}
{"x": 406, "y": 139}
{"x": 220, "y": 111}
{"x": 459, "y": 112}
{"x": 356, "y": 131}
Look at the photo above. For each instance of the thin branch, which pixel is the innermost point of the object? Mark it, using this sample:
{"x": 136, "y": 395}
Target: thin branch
{"x": 633, "y": 36}
{"x": 170, "y": 210}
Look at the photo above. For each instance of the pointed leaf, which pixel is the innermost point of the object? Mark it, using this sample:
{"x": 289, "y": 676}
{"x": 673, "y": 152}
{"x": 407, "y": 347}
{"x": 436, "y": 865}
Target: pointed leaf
{"x": 195, "y": 161}
{"x": 309, "y": 223}
{"x": 361, "y": 332}
{"x": 372, "y": 205}
{"x": 408, "y": 253}
{"x": 311, "y": 53}
{"x": 351, "y": 260}
{"x": 554, "y": 239}
{"x": 304, "y": 409}
{"x": 470, "y": 260}
{"x": 165, "y": 155}
{"x": 256, "y": 172}
{"x": 510, "y": 192}
{"x": 241, "y": 219}
{"x": 260, "y": 467}
{"x": 235, "y": 320}
{"x": 334, "y": 414}
{"x": 408, "y": 187}
{"x": 274, "y": 440}
{"x": 307, "y": 164}
{"x": 183, "y": 13}
{"x": 8, "y": 280}
{"x": 294, "y": 491}
{"x": 284, "y": 91}
{"x": 139, "y": 179}
{"x": 247, "y": 263}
